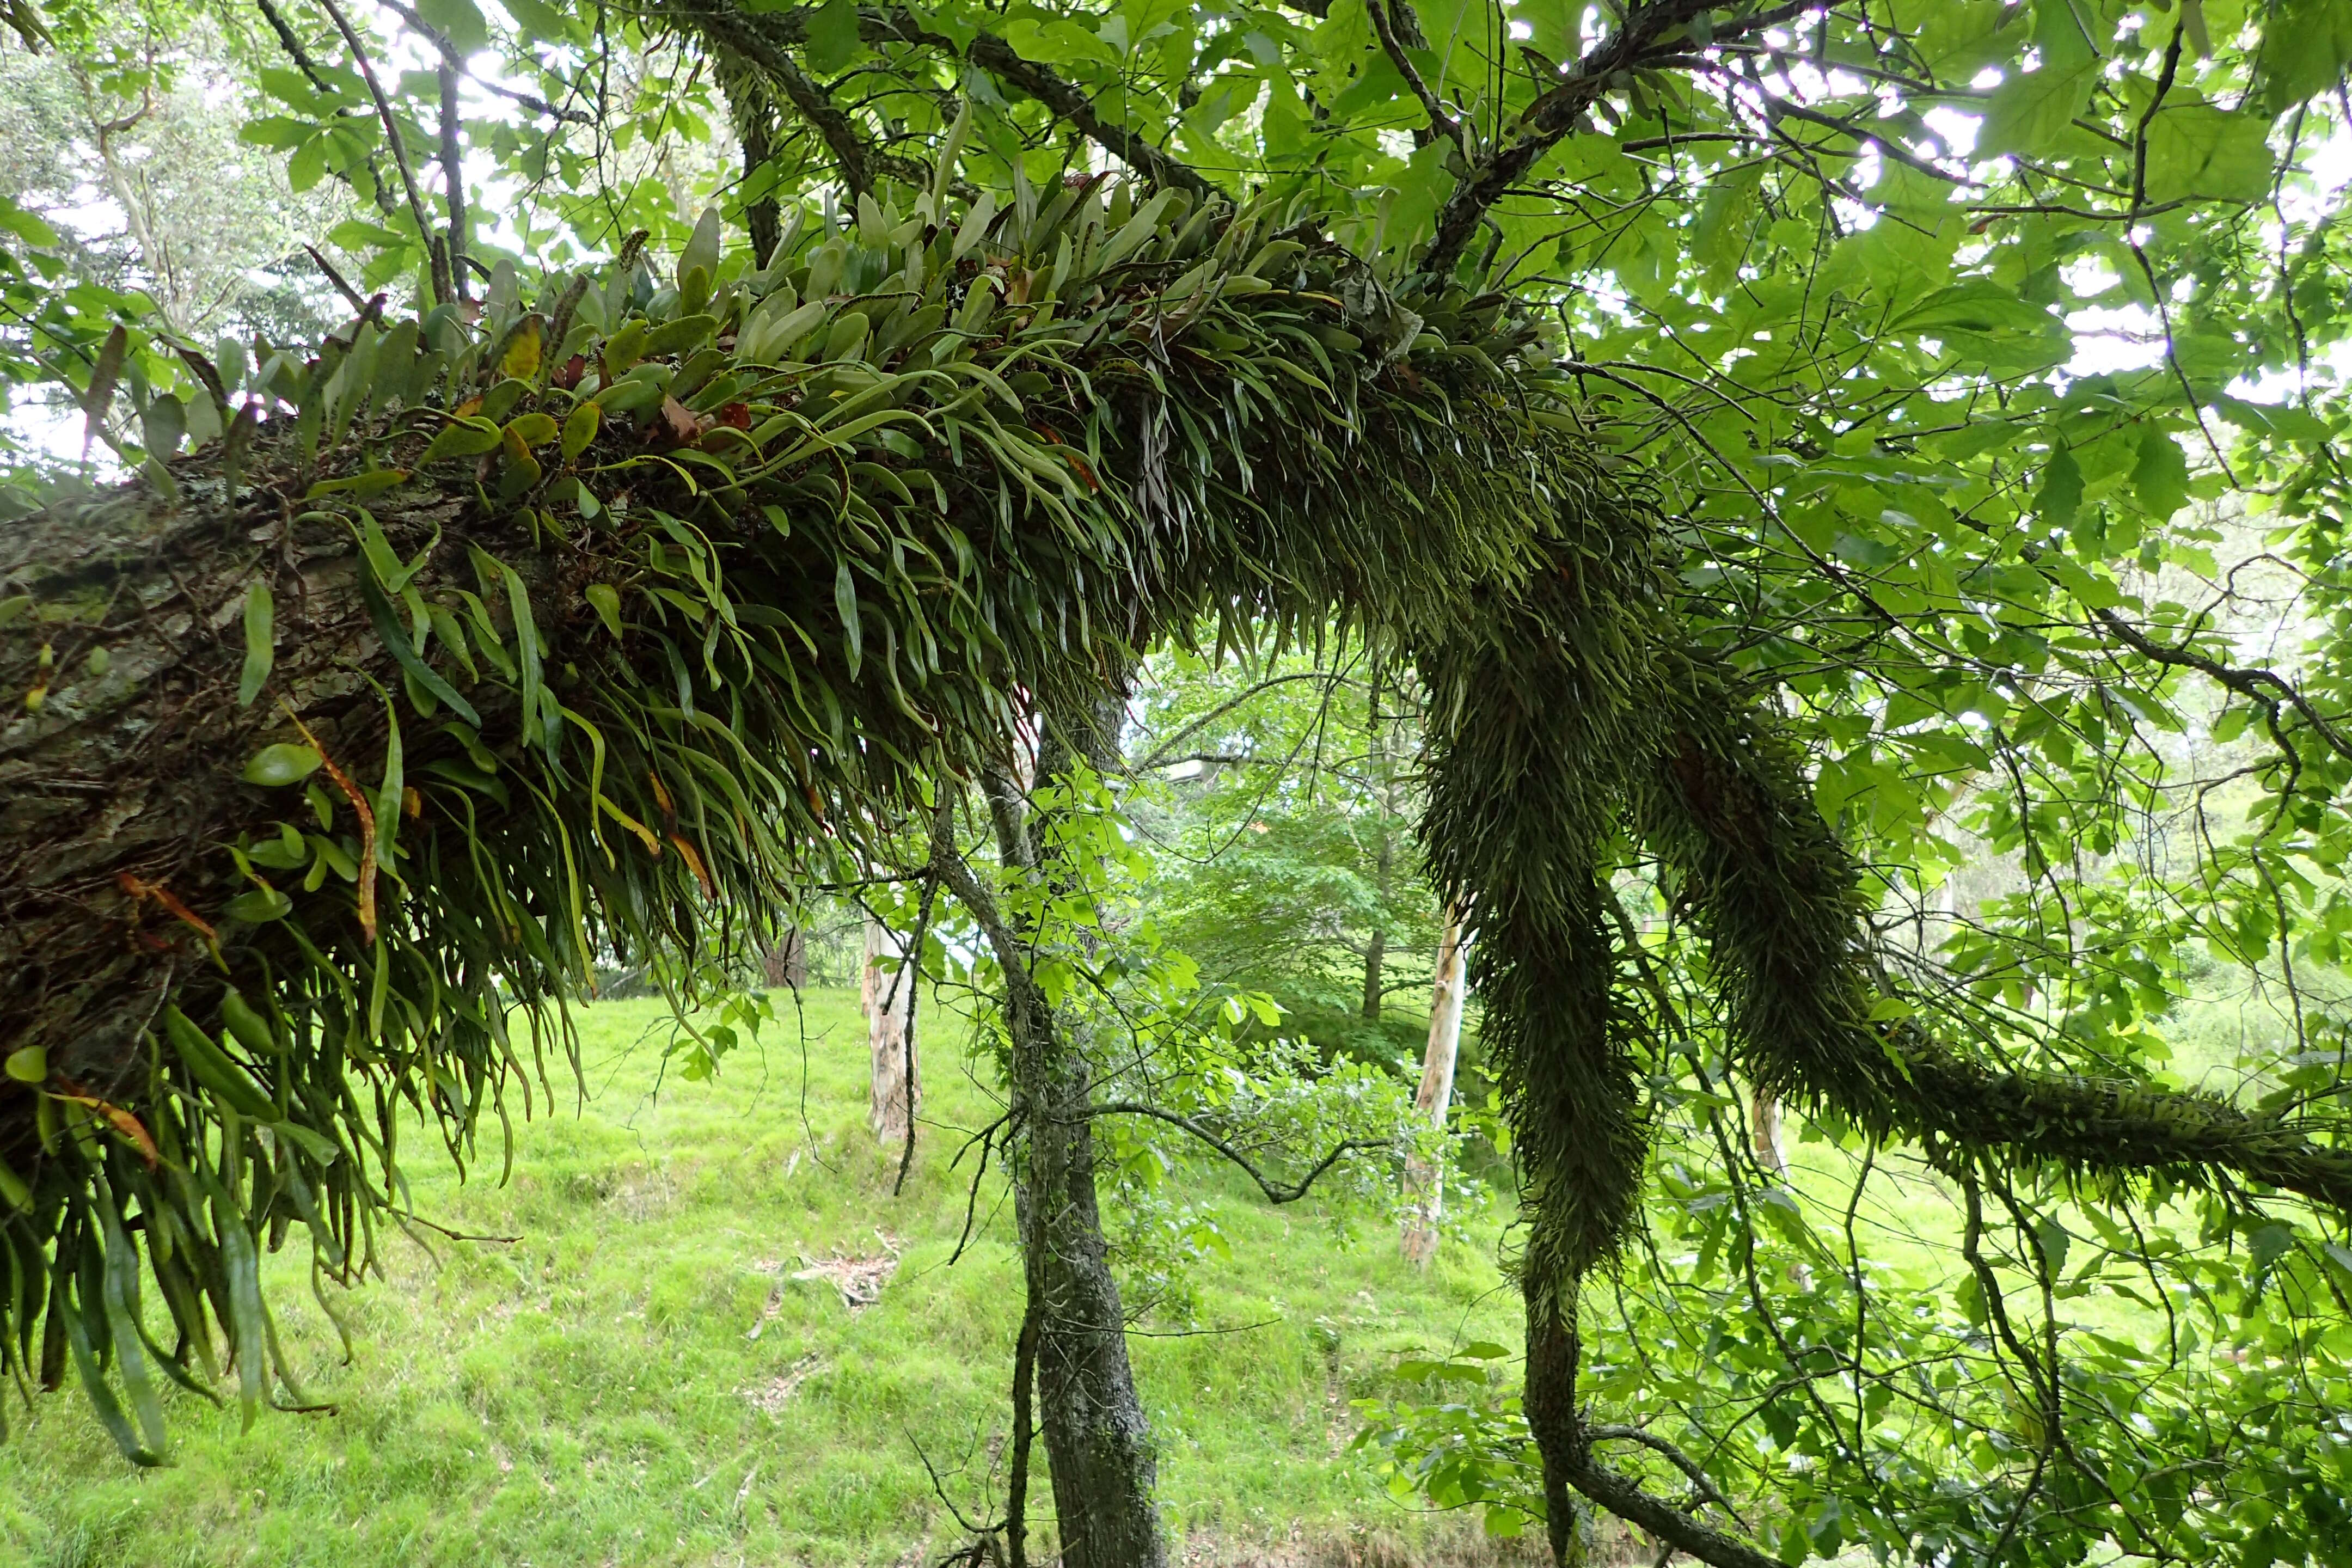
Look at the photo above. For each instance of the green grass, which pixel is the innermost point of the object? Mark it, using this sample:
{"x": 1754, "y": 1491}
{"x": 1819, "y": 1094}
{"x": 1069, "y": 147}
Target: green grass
{"x": 595, "y": 1391}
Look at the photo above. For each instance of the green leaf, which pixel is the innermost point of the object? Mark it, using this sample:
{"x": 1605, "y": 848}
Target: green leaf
{"x": 2053, "y": 1241}
{"x": 2060, "y": 495}
{"x": 2160, "y": 475}
{"x": 274, "y": 767}
{"x": 580, "y": 427}
{"x": 2197, "y": 150}
{"x": 701, "y": 252}
{"x": 533, "y": 429}
{"x": 260, "y": 905}
{"x": 462, "y": 438}
{"x": 845, "y": 602}
{"x": 322, "y": 1149}
{"x": 543, "y": 22}
{"x": 277, "y": 132}
{"x": 162, "y": 424}
{"x": 833, "y": 36}
{"x": 460, "y": 20}
{"x": 2306, "y": 45}
{"x": 607, "y": 600}
{"x": 260, "y": 642}
{"x": 2031, "y": 111}
{"x": 403, "y": 649}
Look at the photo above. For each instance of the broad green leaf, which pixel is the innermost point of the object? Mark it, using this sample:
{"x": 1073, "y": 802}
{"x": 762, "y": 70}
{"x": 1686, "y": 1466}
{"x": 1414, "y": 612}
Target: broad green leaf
{"x": 2196, "y": 150}
{"x": 275, "y": 766}
{"x": 460, "y": 20}
{"x": 2160, "y": 474}
{"x": 2030, "y": 111}
{"x": 833, "y": 36}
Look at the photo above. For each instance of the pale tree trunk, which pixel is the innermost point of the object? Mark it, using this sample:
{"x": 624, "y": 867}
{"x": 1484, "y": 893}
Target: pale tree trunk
{"x": 1764, "y": 1116}
{"x": 887, "y": 998}
{"x": 1425, "y": 1181}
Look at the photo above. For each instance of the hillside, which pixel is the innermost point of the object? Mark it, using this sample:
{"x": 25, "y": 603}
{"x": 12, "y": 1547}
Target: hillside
{"x": 639, "y": 1378}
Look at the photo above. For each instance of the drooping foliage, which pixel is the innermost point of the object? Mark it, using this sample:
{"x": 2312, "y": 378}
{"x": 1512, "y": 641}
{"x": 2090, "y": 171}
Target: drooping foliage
{"x": 795, "y": 539}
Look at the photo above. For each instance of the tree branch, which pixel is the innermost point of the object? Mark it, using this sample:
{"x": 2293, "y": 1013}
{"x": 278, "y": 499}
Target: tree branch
{"x": 763, "y": 38}
{"x": 1620, "y": 1496}
{"x": 1642, "y": 36}
{"x": 2116, "y": 1126}
{"x": 292, "y": 44}
{"x": 2258, "y": 685}
{"x": 1385, "y": 23}
{"x": 1273, "y": 1194}
{"x": 1065, "y": 98}
{"x": 1159, "y": 755}
{"x": 443, "y": 288}
{"x": 1672, "y": 1455}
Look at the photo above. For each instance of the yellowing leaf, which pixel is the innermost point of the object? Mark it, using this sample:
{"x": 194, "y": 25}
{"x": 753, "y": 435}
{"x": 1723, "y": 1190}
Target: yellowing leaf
{"x": 520, "y": 360}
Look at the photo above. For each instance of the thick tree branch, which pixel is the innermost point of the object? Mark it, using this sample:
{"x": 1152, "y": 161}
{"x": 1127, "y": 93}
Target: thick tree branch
{"x": 1620, "y": 1496}
{"x": 762, "y": 45}
{"x": 765, "y": 39}
{"x": 1058, "y": 93}
{"x": 859, "y": 163}
{"x": 1642, "y": 41}
{"x": 2117, "y": 1127}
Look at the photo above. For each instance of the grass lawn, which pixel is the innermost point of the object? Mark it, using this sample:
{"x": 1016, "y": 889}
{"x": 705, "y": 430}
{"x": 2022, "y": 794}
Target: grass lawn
{"x": 639, "y": 1379}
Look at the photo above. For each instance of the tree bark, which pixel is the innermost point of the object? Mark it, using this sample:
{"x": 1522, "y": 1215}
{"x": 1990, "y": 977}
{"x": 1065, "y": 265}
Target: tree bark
{"x": 886, "y": 996}
{"x": 1098, "y": 1439}
{"x": 1376, "y": 951}
{"x": 123, "y": 744}
{"x": 785, "y": 962}
{"x": 1764, "y": 1113}
{"x": 1424, "y": 1181}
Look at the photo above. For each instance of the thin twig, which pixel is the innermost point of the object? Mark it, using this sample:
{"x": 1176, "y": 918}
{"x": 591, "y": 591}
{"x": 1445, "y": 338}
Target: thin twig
{"x": 441, "y": 285}
{"x": 1273, "y": 1194}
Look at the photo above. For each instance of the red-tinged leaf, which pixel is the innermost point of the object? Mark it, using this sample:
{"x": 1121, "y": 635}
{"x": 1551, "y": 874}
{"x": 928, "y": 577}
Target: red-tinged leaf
{"x": 366, "y": 814}
{"x": 134, "y": 1130}
{"x": 735, "y": 415}
{"x": 163, "y": 895}
{"x": 569, "y": 373}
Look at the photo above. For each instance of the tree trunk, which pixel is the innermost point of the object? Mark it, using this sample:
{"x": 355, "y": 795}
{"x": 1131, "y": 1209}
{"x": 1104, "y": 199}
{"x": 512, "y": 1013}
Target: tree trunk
{"x": 1376, "y": 951}
{"x": 1097, "y": 1440}
{"x": 886, "y": 996}
{"x": 1764, "y": 1111}
{"x": 785, "y": 962}
{"x": 1425, "y": 1181}
{"x": 123, "y": 744}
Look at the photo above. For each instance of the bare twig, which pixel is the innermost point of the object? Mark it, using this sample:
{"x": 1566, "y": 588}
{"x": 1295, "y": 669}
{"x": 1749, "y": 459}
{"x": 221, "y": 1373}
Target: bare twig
{"x": 1274, "y": 1194}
